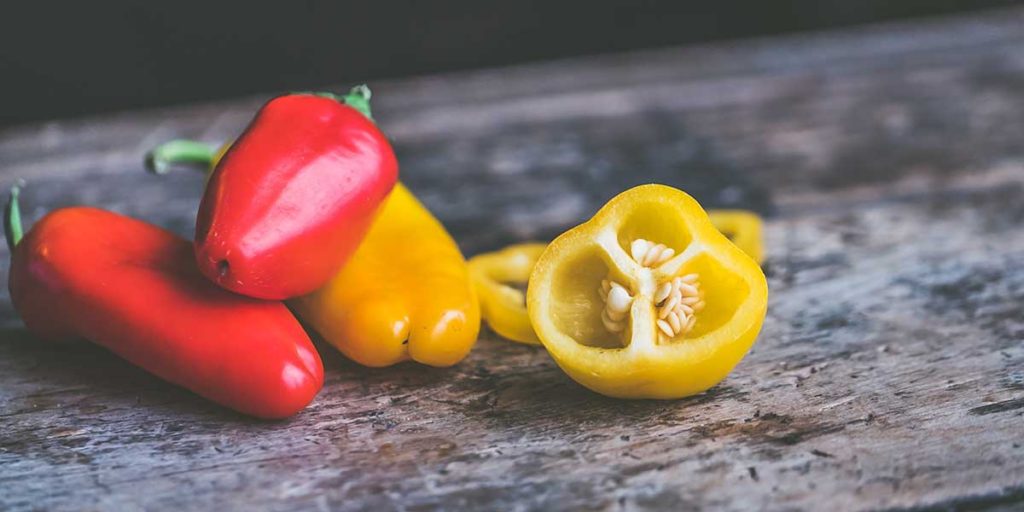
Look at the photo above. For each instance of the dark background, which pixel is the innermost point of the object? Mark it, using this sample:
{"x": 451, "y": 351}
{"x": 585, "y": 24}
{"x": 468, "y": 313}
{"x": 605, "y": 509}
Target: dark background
{"x": 62, "y": 59}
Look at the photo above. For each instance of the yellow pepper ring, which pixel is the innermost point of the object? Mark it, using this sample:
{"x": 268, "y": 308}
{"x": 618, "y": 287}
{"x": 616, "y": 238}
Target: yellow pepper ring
{"x": 602, "y": 298}
{"x": 744, "y": 228}
{"x": 503, "y": 304}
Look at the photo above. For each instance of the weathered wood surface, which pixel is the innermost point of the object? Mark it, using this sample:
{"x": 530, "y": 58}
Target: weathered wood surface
{"x": 890, "y": 372}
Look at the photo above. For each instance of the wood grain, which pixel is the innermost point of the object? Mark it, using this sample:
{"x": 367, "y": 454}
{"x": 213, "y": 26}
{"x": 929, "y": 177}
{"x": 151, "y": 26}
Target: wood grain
{"x": 889, "y": 375}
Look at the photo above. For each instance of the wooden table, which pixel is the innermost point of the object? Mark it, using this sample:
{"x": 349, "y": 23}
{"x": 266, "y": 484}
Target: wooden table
{"x": 889, "y": 374}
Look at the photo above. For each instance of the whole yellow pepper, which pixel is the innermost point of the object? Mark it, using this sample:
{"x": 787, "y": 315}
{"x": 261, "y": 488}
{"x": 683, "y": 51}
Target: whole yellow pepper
{"x": 405, "y": 293}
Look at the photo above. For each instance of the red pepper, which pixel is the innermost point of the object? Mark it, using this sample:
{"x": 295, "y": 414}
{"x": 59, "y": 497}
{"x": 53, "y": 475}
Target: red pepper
{"x": 293, "y": 197}
{"x": 134, "y": 289}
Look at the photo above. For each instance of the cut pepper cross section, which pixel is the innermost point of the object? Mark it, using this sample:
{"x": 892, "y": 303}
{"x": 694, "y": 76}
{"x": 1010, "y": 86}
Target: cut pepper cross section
{"x": 647, "y": 299}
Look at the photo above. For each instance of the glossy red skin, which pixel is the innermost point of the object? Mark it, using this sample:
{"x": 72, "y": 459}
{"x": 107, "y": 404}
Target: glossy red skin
{"x": 293, "y": 197}
{"x": 133, "y": 288}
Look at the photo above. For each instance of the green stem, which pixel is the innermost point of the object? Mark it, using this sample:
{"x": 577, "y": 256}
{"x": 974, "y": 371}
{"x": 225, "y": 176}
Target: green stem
{"x": 163, "y": 157}
{"x": 12, "y": 220}
{"x": 358, "y": 98}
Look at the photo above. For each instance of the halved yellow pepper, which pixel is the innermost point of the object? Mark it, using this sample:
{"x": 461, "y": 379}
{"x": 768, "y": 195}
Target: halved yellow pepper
{"x": 503, "y": 304}
{"x": 647, "y": 299}
{"x": 498, "y": 275}
{"x": 404, "y": 294}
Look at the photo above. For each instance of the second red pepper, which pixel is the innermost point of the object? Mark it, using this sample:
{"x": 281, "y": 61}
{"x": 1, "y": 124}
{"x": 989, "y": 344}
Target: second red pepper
{"x": 293, "y": 197}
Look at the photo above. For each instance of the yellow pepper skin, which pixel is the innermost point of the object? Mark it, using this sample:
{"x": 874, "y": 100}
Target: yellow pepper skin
{"x": 405, "y": 293}
{"x": 645, "y": 241}
{"x": 744, "y": 228}
{"x": 504, "y": 306}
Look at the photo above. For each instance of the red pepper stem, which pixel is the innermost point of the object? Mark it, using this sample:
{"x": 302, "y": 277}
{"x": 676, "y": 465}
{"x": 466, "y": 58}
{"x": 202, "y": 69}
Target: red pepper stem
{"x": 13, "y": 231}
{"x": 180, "y": 152}
{"x": 359, "y": 99}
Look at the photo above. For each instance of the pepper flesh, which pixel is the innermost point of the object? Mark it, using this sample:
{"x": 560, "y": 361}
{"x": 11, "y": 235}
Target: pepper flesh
{"x": 404, "y": 294}
{"x": 567, "y": 307}
{"x": 133, "y": 288}
{"x": 293, "y": 197}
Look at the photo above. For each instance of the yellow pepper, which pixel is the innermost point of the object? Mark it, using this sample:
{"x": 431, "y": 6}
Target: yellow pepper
{"x": 499, "y": 275}
{"x": 743, "y": 228}
{"x": 647, "y": 299}
{"x": 404, "y": 294}
{"x": 503, "y": 304}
